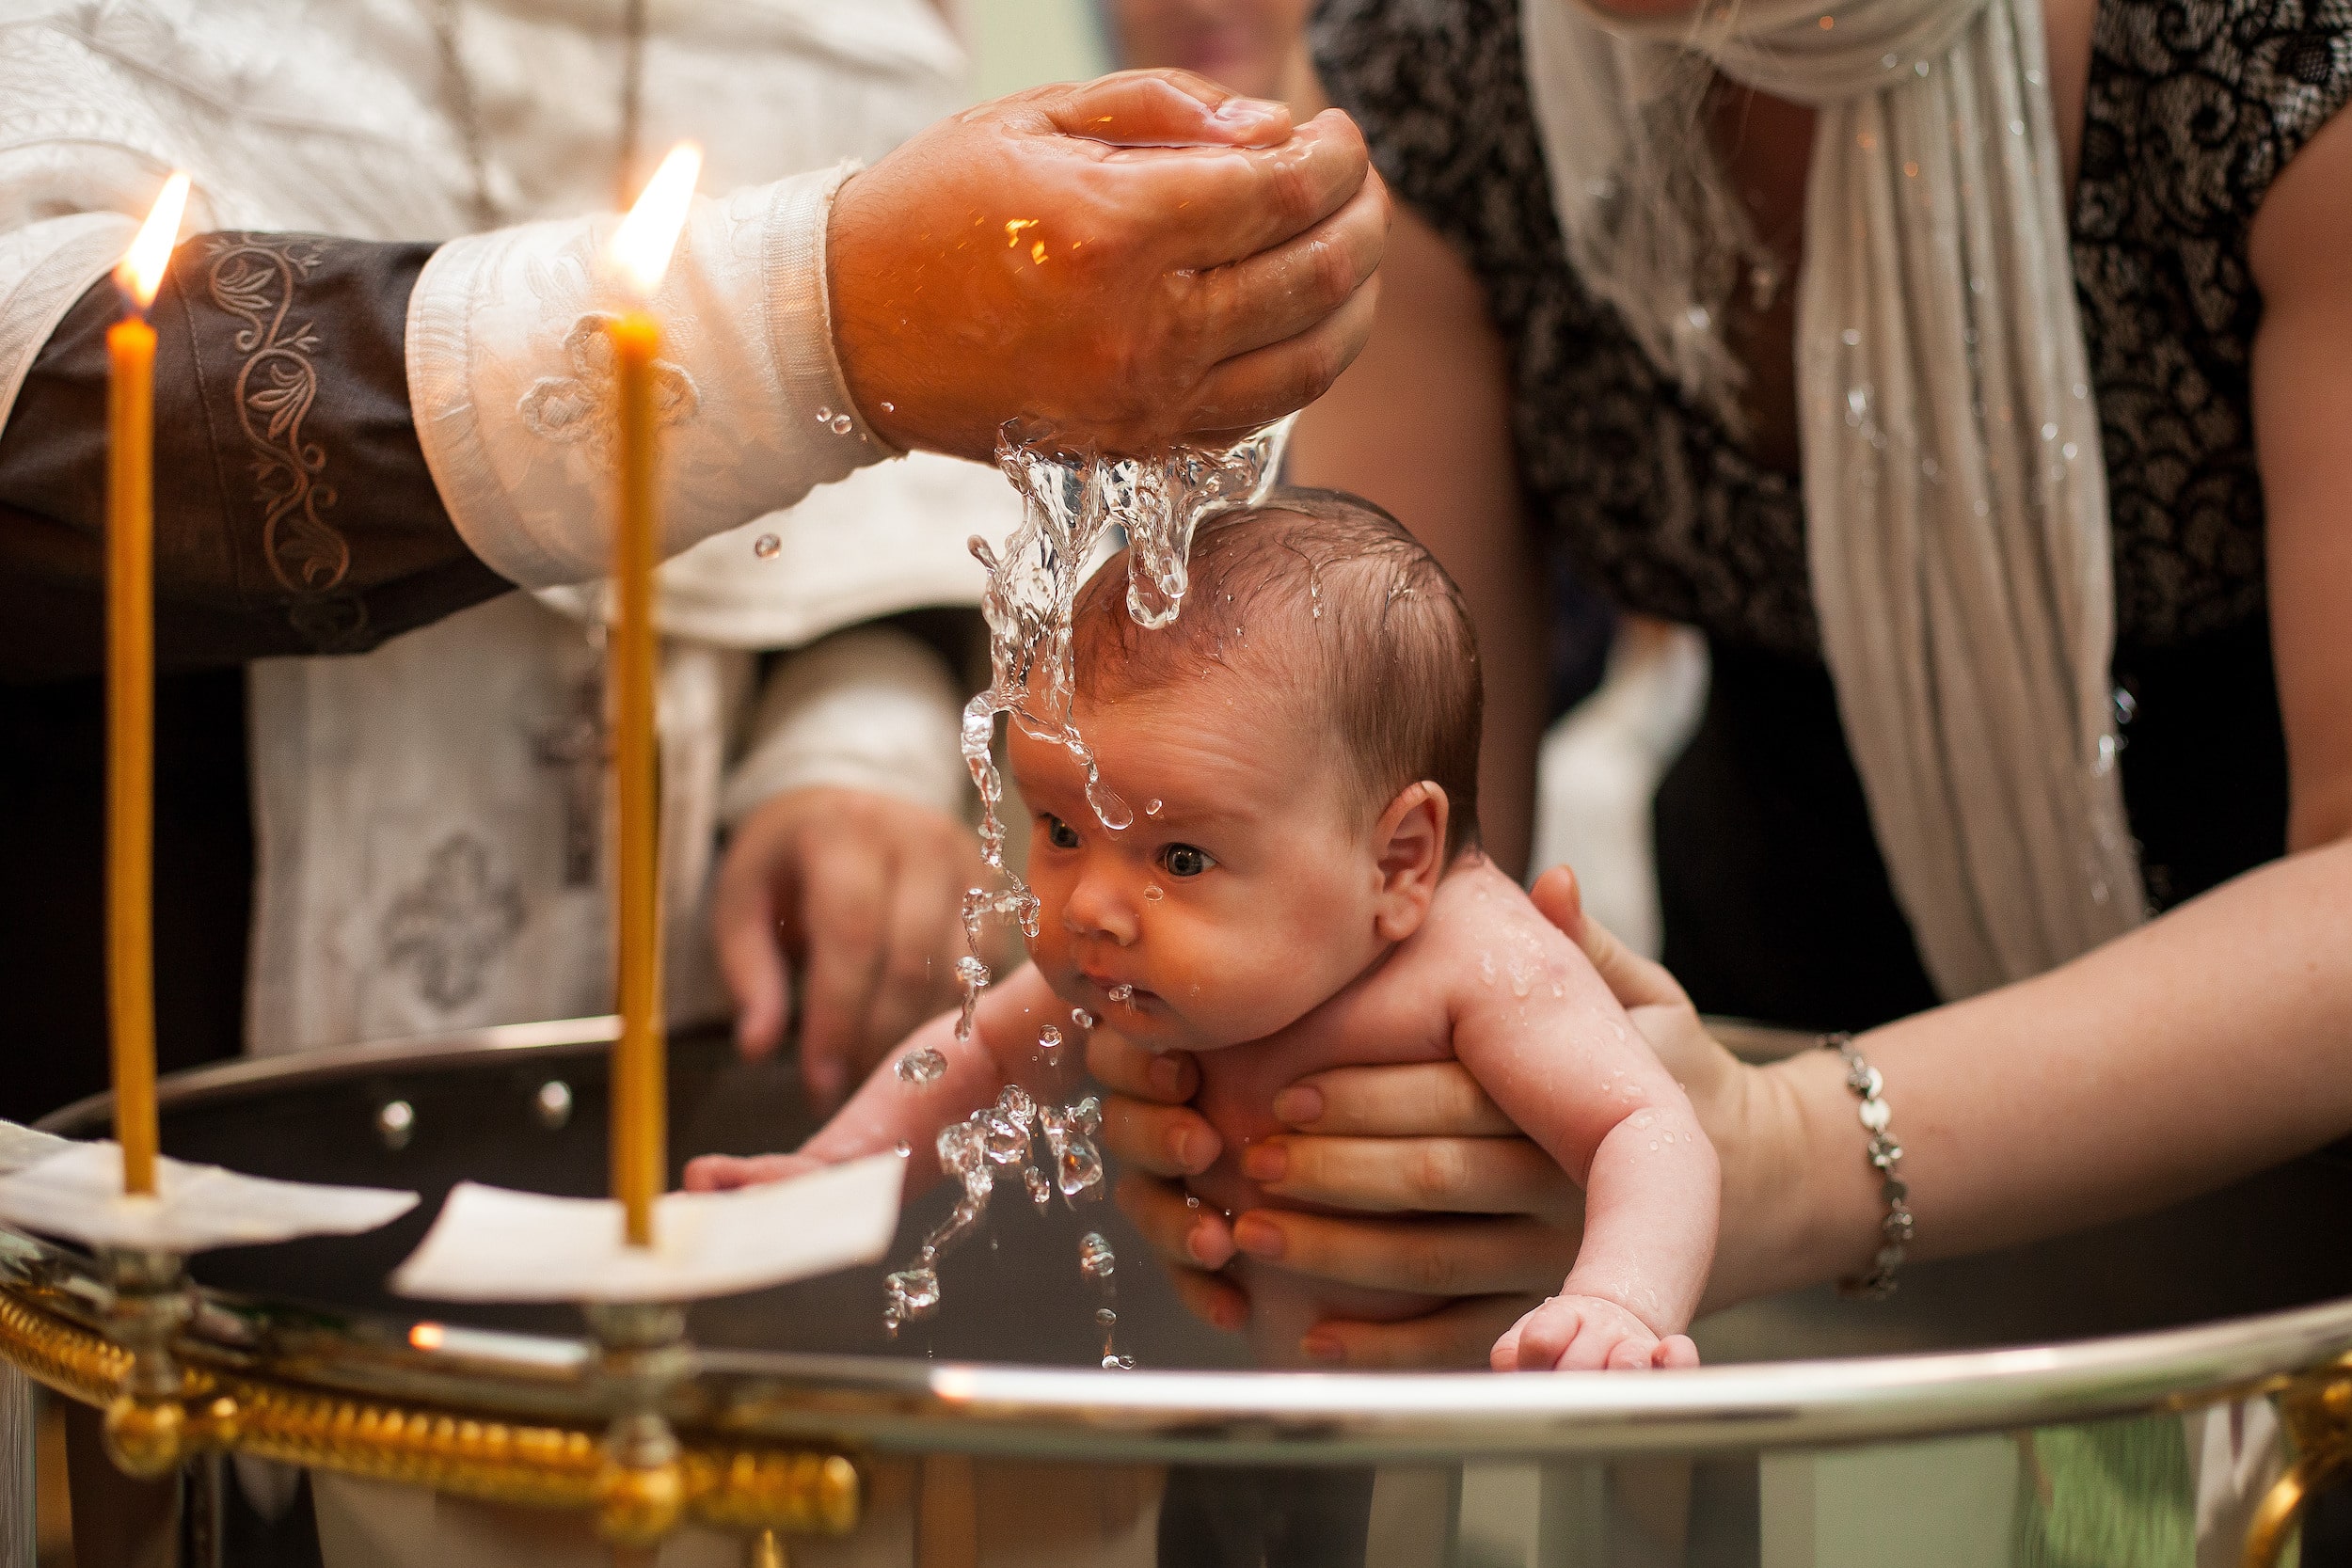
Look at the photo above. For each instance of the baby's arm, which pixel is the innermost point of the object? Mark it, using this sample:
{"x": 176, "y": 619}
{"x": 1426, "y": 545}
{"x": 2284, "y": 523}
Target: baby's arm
{"x": 888, "y": 1110}
{"x": 1548, "y": 1043}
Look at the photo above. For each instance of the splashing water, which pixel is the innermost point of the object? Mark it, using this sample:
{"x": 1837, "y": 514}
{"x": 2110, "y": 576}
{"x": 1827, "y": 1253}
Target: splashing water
{"x": 919, "y": 1068}
{"x": 1071, "y": 505}
{"x": 998, "y": 1138}
{"x": 1097, "y": 1263}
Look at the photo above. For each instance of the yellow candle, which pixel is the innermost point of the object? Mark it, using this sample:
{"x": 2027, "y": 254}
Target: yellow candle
{"x": 131, "y": 690}
{"x": 641, "y": 253}
{"x": 639, "y": 1112}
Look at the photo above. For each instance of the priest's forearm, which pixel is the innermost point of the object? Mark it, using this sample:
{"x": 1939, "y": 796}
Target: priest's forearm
{"x": 294, "y": 510}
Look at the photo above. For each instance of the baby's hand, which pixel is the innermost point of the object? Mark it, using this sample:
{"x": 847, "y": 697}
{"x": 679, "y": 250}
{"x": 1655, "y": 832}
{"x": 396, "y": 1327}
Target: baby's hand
{"x": 719, "y": 1173}
{"x": 1587, "y": 1334}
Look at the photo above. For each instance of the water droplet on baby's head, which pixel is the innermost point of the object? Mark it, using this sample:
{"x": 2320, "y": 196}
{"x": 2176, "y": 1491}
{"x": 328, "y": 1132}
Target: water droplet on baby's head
{"x": 766, "y": 546}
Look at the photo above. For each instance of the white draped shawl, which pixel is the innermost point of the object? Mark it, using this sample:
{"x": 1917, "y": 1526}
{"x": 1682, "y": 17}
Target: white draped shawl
{"x": 1955, "y": 494}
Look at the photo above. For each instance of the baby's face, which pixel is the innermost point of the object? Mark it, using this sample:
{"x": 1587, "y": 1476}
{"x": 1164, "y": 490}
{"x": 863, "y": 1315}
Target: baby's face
{"x": 1245, "y": 899}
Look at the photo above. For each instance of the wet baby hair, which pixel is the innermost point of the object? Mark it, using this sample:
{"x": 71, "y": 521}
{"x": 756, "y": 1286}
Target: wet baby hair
{"x": 1328, "y": 599}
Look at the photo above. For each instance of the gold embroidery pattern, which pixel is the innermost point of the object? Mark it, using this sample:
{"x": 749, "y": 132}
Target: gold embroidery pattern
{"x": 254, "y": 278}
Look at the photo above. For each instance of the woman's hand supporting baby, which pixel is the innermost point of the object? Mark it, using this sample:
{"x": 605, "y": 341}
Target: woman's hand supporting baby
{"x": 1532, "y": 1023}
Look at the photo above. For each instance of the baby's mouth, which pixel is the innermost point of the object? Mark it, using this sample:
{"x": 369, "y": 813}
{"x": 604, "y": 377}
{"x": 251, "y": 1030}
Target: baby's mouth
{"x": 1120, "y": 993}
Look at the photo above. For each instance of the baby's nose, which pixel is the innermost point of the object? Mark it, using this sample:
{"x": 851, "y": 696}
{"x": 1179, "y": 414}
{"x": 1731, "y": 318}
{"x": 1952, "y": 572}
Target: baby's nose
{"x": 1100, "y": 907}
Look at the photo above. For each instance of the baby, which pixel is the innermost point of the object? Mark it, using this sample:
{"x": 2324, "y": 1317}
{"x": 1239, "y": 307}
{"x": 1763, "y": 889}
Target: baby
{"x": 1300, "y": 750}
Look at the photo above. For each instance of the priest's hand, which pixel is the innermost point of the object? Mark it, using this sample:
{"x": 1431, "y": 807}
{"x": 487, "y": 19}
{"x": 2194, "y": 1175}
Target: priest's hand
{"x": 1128, "y": 261}
{"x": 861, "y": 894}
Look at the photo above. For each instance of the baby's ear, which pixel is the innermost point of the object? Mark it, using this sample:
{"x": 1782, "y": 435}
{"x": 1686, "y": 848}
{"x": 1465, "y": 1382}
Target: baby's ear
{"x": 1409, "y": 842}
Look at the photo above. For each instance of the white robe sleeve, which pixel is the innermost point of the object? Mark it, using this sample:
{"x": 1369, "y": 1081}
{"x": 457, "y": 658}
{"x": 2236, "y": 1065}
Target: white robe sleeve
{"x": 873, "y": 709}
{"x": 510, "y": 379}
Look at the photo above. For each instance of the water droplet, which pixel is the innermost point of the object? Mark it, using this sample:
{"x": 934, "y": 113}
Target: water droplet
{"x": 1040, "y": 1190}
{"x": 1083, "y": 1019}
{"x": 1151, "y": 807}
{"x": 1095, "y": 1258}
{"x": 824, "y": 414}
{"x": 1104, "y": 1316}
{"x": 1191, "y": 1202}
{"x": 1118, "y": 1363}
{"x": 921, "y": 1066}
{"x": 1153, "y": 892}
{"x": 842, "y": 424}
{"x": 903, "y": 1150}
{"x": 889, "y": 408}
{"x": 1121, "y": 993}
{"x": 766, "y": 546}
{"x": 1851, "y": 338}
{"x": 981, "y": 551}
{"x": 1049, "y": 1039}
{"x": 912, "y": 1294}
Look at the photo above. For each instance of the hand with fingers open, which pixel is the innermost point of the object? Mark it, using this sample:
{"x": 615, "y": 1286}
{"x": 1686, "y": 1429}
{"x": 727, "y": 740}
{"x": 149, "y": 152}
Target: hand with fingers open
{"x": 858, "y": 895}
{"x": 1410, "y": 1178}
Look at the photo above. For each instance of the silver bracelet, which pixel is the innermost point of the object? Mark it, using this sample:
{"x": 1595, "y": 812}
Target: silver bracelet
{"x": 1886, "y": 1157}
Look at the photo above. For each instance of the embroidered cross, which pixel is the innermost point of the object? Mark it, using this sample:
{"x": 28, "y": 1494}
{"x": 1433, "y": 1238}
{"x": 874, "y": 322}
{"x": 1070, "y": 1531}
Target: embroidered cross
{"x": 575, "y": 742}
{"x": 452, "y": 926}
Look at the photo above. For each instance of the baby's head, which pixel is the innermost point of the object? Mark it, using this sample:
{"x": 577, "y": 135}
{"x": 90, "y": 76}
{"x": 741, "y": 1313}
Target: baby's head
{"x": 1300, "y": 751}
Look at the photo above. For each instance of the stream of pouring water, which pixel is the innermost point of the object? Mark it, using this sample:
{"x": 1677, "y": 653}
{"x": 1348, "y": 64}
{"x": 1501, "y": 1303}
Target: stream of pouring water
{"x": 1074, "y": 506}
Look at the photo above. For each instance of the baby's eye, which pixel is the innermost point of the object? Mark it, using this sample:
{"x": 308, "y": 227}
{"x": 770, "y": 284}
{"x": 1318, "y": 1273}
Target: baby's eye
{"x": 1060, "y": 834}
{"x": 1182, "y": 859}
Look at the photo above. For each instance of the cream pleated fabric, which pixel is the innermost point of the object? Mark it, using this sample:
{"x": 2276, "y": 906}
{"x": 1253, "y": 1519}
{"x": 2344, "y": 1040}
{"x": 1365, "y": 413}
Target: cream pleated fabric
{"x": 1955, "y": 496}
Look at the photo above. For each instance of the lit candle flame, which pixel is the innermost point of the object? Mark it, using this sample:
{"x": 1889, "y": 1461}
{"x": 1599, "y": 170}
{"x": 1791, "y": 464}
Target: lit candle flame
{"x": 642, "y": 245}
{"x": 142, "y": 270}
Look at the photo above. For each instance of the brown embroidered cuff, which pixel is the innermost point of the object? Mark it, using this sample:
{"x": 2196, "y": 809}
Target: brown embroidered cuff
{"x": 294, "y": 510}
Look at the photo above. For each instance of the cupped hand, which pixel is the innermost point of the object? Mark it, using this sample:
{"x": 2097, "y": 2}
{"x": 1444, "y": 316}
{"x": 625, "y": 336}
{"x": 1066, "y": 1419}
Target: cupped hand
{"x": 1126, "y": 262}
{"x": 862, "y": 893}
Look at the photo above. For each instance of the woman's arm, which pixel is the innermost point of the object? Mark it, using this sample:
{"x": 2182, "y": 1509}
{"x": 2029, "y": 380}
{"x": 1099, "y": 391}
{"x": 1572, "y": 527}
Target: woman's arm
{"x": 2217, "y": 1040}
{"x": 1420, "y": 423}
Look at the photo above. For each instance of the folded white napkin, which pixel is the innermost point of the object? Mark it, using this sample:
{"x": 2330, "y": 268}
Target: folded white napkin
{"x": 494, "y": 1244}
{"x": 75, "y": 1192}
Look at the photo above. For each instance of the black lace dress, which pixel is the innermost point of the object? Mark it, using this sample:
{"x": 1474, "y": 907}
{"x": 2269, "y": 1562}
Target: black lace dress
{"x": 1776, "y": 903}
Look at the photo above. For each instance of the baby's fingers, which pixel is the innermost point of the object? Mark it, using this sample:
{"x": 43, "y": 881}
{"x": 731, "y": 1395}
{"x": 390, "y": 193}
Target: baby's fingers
{"x": 719, "y": 1173}
{"x": 1675, "y": 1353}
